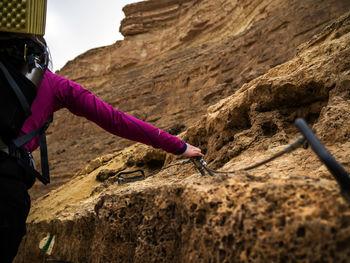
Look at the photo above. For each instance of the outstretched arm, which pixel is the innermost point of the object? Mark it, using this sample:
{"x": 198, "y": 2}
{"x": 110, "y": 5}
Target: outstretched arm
{"x": 83, "y": 103}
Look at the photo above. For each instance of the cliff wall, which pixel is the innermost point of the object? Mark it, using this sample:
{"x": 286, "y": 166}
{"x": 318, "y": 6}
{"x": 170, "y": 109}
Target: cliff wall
{"x": 235, "y": 94}
{"x": 184, "y": 57}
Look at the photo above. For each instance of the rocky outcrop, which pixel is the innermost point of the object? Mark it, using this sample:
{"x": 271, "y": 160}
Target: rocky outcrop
{"x": 289, "y": 210}
{"x": 149, "y": 16}
{"x": 186, "y": 56}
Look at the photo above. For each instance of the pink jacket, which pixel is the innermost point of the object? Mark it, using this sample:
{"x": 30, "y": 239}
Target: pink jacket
{"x": 56, "y": 92}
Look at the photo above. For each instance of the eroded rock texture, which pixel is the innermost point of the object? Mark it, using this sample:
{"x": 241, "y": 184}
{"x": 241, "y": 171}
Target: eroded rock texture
{"x": 289, "y": 210}
{"x": 190, "y": 55}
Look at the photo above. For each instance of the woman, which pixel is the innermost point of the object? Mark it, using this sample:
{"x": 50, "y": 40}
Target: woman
{"x": 54, "y": 93}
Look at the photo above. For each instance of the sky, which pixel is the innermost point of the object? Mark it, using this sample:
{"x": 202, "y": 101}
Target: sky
{"x": 75, "y": 26}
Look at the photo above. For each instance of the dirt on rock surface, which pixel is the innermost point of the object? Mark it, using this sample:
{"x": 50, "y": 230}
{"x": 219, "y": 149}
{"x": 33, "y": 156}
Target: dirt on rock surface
{"x": 236, "y": 95}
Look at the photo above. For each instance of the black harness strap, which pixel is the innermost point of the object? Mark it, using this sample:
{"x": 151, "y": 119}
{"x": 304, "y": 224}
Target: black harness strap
{"x": 45, "y": 177}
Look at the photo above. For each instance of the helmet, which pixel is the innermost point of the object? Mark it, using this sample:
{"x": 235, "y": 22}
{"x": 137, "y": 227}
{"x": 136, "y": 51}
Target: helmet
{"x": 23, "y": 16}
{"x": 22, "y": 26}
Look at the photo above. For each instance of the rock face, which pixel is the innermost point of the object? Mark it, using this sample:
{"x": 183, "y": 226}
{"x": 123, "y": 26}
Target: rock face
{"x": 195, "y": 55}
{"x": 231, "y": 78}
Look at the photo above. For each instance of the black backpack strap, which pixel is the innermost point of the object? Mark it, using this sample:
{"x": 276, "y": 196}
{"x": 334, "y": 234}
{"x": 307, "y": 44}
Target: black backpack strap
{"x": 23, "y": 101}
{"x": 27, "y": 137}
{"x": 45, "y": 177}
{"x": 43, "y": 151}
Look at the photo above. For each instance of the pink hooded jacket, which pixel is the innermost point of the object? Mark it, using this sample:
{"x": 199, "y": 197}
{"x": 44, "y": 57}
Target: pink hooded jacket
{"x": 56, "y": 92}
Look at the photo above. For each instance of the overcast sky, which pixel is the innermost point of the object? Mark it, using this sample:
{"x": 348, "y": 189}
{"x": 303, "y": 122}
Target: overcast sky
{"x": 75, "y": 26}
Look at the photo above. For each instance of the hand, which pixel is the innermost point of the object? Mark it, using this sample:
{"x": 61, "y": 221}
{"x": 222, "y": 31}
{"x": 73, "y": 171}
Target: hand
{"x": 192, "y": 151}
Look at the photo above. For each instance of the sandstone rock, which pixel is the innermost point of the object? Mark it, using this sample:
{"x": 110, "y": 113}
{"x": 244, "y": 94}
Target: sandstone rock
{"x": 289, "y": 210}
{"x": 203, "y": 52}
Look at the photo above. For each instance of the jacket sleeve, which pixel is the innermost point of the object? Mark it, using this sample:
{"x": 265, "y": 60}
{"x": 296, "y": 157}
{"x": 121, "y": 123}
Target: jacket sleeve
{"x": 82, "y": 102}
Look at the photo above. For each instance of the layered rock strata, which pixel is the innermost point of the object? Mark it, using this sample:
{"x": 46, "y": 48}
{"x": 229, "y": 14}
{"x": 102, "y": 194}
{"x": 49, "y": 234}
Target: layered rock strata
{"x": 184, "y": 57}
{"x": 289, "y": 210}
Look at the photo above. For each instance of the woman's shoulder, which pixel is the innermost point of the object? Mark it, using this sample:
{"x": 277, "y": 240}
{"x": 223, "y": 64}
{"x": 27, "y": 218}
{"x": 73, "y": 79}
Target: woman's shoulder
{"x": 53, "y": 76}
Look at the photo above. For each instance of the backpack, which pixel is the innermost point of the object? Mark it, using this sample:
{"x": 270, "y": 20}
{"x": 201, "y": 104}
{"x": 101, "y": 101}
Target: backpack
{"x": 18, "y": 58}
